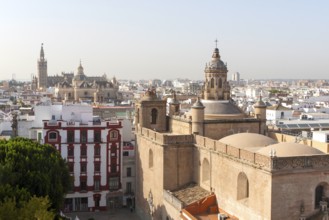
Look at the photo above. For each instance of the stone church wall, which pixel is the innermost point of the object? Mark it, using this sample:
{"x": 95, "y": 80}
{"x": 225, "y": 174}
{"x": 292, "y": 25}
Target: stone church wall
{"x": 223, "y": 181}
{"x": 178, "y": 165}
{"x": 178, "y": 126}
{"x": 292, "y": 191}
{"x": 150, "y": 179}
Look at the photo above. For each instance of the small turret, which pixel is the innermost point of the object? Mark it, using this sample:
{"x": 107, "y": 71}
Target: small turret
{"x": 197, "y": 111}
{"x": 174, "y": 105}
{"x": 260, "y": 113}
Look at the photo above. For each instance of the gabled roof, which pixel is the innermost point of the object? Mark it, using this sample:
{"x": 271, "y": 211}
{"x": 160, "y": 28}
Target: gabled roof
{"x": 84, "y": 84}
{"x": 65, "y": 83}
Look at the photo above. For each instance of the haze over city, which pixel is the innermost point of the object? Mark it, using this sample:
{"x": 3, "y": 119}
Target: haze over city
{"x": 165, "y": 39}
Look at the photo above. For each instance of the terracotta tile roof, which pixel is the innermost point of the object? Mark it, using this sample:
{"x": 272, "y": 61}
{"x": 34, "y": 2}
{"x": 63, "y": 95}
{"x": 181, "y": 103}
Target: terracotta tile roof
{"x": 190, "y": 193}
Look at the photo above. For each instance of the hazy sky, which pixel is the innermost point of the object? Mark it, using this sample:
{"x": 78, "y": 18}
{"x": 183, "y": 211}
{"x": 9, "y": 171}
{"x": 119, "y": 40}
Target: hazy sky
{"x": 165, "y": 39}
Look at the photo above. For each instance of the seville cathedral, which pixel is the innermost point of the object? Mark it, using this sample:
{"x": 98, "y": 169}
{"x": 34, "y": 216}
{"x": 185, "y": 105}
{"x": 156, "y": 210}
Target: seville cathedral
{"x": 76, "y": 88}
{"x": 217, "y": 159}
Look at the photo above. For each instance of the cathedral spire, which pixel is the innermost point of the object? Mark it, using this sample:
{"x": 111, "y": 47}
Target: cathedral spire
{"x": 80, "y": 69}
{"x": 42, "y": 53}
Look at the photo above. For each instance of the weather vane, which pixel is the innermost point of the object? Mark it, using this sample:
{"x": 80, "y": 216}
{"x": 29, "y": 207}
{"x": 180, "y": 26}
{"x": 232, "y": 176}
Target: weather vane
{"x": 216, "y": 42}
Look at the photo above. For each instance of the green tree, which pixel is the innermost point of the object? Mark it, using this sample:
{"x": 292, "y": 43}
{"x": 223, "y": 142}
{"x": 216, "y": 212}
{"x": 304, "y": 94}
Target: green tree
{"x": 36, "y": 208}
{"x": 28, "y": 168}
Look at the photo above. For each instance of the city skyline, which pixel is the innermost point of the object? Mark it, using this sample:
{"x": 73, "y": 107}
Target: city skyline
{"x": 166, "y": 40}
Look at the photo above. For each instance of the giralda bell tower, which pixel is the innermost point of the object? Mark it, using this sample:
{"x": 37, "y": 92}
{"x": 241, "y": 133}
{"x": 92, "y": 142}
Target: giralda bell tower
{"x": 42, "y": 71}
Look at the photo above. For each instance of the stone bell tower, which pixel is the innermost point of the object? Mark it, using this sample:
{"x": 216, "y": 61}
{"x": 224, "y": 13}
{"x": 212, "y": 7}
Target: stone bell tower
{"x": 42, "y": 71}
{"x": 216, "y": 86}
{"x": 260, "y": 113}
{"x": 150, "y": 112}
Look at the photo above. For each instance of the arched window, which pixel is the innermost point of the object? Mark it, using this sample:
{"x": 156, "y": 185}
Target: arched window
{"x": 321, "y": 193}
{"x": 205, "y": 171}
{"x": 212, "y": 83}
{"x": 150, "y": 158}
{"x": 242, "y": 186}
{"x": 154, "y": 115}
{"x": 318, "y": 195}
{"x": 220, "y": 83}
{"x": 52, "y": 136}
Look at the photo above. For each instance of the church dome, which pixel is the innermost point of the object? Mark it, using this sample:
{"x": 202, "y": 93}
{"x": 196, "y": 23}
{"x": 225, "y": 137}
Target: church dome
{"x": 247, "y": 140}
{"x": 221, "y": 108}
{"x": 216, "y": 63}
{"x": 287, "y": 149}
{"x": 80, "y": 75}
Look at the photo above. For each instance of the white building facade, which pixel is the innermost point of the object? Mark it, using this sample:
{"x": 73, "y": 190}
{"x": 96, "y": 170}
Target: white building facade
{"x": 92, "y": 148}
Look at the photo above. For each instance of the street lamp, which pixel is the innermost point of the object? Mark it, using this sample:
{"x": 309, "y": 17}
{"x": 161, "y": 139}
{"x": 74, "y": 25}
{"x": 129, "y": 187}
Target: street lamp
{"x": 150, "y": 202}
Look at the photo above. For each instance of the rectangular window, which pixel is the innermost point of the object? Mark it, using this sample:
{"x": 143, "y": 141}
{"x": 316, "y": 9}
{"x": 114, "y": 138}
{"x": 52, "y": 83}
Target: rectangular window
{"x": 125, "y": 153}
{"x": 70, "y": 136}
{"x": 83, "y": 185}
{"x": 70, "y": 151}
{"x": 113, "y": 168}
{"x": 113, "y": 183}
{"x": 83, "y": 136}
{"x": 97, "y": 167}
{"x": 97, "y": 136}
{"x": 71, "y": 167}
{"x": 97, "y": 151}
{"x": 84, "y": 204}
{"x": 83, "y": 167}
{"x": 96, "y": 185}
{"x": 128, "y": 171}
{"x": 128, "y": 187}
{"x": 83, "y": 150}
